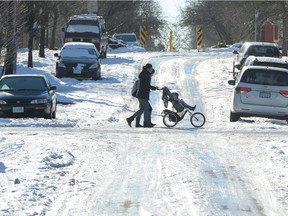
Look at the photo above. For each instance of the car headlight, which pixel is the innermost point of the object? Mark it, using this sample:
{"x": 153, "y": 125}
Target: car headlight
{"x": 95, "y": 40}
{"x": 61, "y": 65}
{"x": 39, "y": 101}
{"x": 2, "y": 102}
{"x": 94, "y": 66}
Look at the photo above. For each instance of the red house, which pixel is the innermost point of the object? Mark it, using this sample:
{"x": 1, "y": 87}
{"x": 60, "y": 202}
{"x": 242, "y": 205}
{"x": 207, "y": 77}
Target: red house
{"x": 270, "y": 32}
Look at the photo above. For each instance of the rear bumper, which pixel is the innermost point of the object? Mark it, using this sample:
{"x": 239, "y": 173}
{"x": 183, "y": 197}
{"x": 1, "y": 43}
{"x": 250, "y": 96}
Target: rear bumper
{"x": 249, "y": 110}
{"x": 261, "y": 111}
{"x": 84, "y": 74}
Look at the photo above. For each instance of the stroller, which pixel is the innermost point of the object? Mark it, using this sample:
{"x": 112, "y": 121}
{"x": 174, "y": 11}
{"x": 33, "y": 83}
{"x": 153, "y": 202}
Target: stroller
{"x": 179, "y": 110}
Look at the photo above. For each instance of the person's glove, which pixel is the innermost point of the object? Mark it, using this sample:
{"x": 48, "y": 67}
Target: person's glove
{"x": 158, "y": 88}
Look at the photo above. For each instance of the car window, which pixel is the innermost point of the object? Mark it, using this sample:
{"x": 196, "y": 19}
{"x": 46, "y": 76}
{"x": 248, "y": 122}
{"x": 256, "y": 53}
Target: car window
{"x": 127, "y": 38}
{"x": 79, "y": 28}
{"x": 271, "y": 64}
{"x": 92, "y": 51}
{"x": 268, "y": 51}
{"x": 265, "y": 77}
{"x": 23, "y": 83}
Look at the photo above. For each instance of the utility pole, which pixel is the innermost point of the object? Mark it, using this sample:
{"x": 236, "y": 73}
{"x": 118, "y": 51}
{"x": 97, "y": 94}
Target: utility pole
{"x": 255, "y": 24}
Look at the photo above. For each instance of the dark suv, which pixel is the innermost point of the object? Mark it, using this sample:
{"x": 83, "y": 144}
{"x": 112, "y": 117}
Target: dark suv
{"x": 254, "y": 49}
{"x": 88, "y": 28}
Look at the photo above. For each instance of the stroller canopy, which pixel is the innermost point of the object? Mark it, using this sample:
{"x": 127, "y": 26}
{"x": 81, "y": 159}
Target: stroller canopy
{"x": 166, "y": 96}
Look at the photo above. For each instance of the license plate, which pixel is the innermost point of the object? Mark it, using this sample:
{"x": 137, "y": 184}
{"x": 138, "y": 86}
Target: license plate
{"x": 265, "y": 94}
{"x": 76, "y": 71}
{"x": 18, "y": 109}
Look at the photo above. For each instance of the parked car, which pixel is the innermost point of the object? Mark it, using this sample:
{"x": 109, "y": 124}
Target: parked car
{"x": 264, "y": 61}
{"x": 27, "y": 96}
{"x": 260, "y": 91}
{"x": 115, "y": 43}
{"x": 129, "y": 38}
{"x": 236, "y": 46}
{"x": 254, "y": 49}
{"x": 79, "y": 60}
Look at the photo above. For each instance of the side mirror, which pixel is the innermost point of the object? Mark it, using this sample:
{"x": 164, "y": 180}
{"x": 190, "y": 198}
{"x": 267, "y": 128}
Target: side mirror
{"x": 63, "y": 29}
{"x": 235, "y": 52}
{"x": 238, "y": 66}
{"x": 53, "y": 88}
{"x": 231, "y": 82}
{"x": 56, "y": 55}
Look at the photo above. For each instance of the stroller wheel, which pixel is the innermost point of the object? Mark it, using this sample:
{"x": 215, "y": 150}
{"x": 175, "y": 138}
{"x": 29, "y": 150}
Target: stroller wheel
{"x": 170, "y": 119}
{"x": 197, "y": 119}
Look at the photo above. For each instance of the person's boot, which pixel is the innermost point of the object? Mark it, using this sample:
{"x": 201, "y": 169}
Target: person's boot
{"x": 129, "y": 121}
{"x": 137, "y": 124}
{"x": 149, "y": 120}
{"x": 148, "y": 124}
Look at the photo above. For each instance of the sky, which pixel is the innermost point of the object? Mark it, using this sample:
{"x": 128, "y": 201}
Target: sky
{"x": 88, "y": 161}
{"x": 171, "y": 8}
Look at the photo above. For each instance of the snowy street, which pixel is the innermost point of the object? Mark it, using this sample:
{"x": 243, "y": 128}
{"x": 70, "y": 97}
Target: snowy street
{"x": 88, "y": 161}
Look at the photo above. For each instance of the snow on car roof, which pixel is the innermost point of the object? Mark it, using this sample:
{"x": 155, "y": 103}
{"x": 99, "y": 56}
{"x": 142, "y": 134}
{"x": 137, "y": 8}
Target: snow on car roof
{"x": 264, "y": 68}
{"x": 261, "y": 44}
{"x": 76, "y": 49}
{"x": 79, "y": 44}
{"x": 267, "y": 59}
{"x": 84, "y": 17}
{"x": 124, "y": 34}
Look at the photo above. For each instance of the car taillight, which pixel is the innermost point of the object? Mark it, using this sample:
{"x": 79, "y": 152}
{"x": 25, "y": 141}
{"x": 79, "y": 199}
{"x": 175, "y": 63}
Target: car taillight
{"x": 284, "y": 93}
{"x": 242, "y": 89}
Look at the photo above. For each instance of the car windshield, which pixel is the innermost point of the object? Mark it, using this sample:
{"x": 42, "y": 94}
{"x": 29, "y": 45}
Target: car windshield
{"x": 22, "y": 83}
{"x": 80, "y": 28}
{"x": 127, "y": 38}
{"x": 265, "y": 77}
{"x": 78, "y": 52}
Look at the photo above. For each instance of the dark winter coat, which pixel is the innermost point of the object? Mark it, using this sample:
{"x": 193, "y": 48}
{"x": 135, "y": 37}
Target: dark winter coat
{"x": 145, "y": 85}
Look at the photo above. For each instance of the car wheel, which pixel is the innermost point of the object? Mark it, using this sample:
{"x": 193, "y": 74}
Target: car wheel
{"x": 58, "y": 76}
{"x": 48, "y": 116}
{"x": 95, "y": 76}
{"x": 54, "y": 115}
{"x": 234, "y": 117}
{"x": 99, "y": 74}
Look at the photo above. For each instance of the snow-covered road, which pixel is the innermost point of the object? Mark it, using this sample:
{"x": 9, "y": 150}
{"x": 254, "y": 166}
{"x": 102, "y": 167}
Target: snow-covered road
{"x": 89, "y": 162}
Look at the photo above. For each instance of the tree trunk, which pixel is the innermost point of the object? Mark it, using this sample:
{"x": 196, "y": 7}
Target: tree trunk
{"x": 55, "y": 20}
{"x": 42, "y": 35}
{"x": 11, "y": 56}
{"x": 30, "y": 33}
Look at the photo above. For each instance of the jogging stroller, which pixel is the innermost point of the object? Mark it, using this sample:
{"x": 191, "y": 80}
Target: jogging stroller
{"x": 179, "y": 110}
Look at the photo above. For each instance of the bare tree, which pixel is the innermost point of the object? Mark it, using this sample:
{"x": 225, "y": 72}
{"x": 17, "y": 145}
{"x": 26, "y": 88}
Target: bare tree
{"x": 128, "y": 16}
{"x": 11, "y": 40}
{"x": 234, "y": 21}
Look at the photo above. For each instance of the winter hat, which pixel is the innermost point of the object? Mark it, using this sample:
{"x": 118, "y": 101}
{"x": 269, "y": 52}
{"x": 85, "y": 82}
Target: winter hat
{"x": 148, "y": 66}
